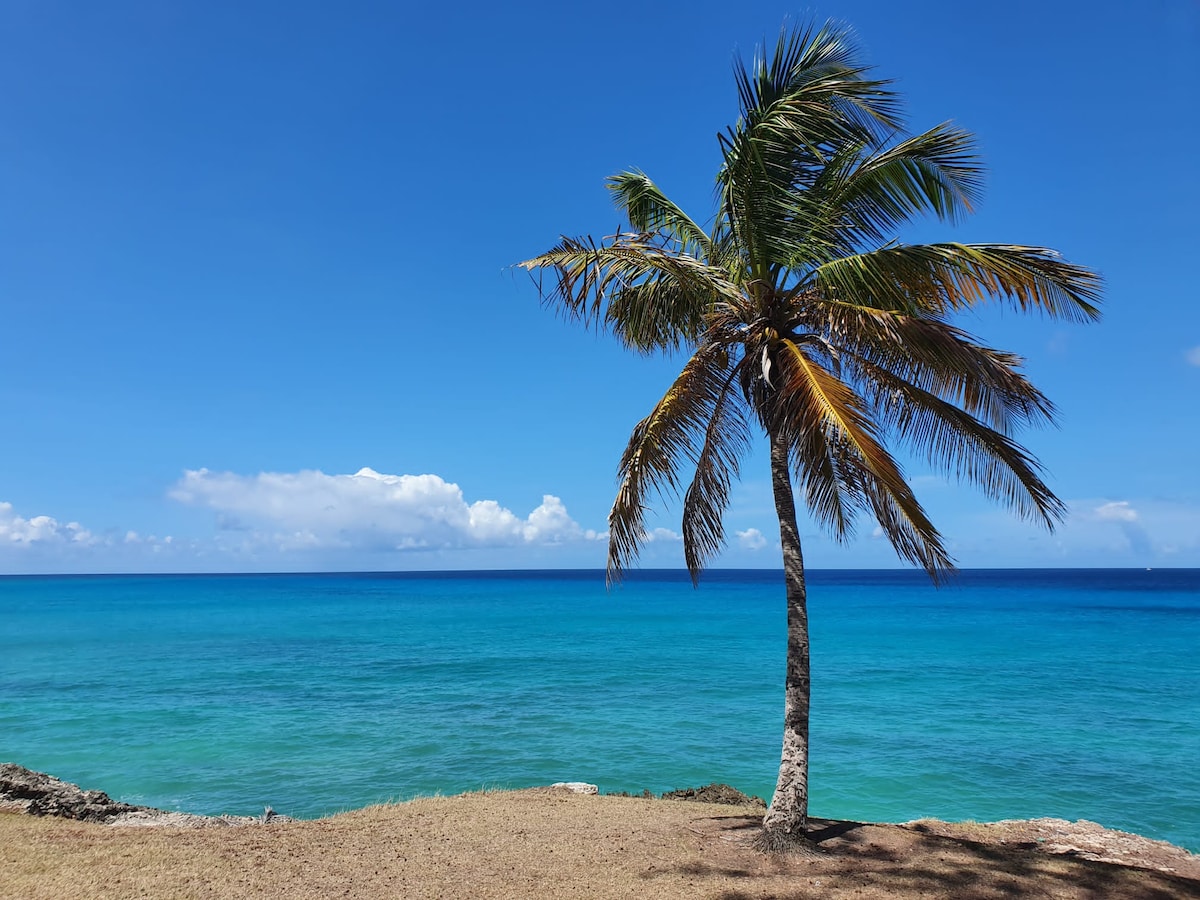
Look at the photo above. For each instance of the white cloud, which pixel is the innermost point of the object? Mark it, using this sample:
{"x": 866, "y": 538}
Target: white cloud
{"x": 1193, "y": 356}
{"x": 1116, "y": 511}
{"x": 1122, "y": 514}
{"x": 751, "y": 539}
{"x": 370, "y": 510}
{"x": 551, "y": 524}
{"x": 39, "y": 530}
{"x": 657, "y": 535}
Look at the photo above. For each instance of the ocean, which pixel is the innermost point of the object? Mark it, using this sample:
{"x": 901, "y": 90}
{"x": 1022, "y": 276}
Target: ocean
{"x": 1007, "y": 694}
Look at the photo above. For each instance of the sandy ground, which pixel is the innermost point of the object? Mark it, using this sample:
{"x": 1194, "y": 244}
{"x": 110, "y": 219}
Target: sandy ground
{"x": 546, "y": 843}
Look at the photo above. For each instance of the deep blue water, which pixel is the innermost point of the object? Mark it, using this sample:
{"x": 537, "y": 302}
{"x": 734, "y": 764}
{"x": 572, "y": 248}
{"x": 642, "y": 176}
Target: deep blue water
{"x": 1006, "y": 694}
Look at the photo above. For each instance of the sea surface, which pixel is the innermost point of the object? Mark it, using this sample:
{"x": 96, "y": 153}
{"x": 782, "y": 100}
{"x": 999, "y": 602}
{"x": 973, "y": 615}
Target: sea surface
{"x": 1007, "y": 694}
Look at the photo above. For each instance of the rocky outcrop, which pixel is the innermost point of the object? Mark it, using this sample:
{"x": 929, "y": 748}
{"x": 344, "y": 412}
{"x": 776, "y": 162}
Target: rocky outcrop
{"x": 37, "y": 794}
{"x": 23, "y": 790}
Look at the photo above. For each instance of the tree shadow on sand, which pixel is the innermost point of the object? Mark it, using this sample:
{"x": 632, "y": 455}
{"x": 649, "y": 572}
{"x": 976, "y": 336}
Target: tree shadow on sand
{"x": 857, "y": 859}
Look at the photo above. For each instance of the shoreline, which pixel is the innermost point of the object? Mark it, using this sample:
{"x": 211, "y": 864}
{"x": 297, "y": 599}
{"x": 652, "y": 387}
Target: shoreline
{"x": 38, "y": 794}
{"x": 545, "y": 842}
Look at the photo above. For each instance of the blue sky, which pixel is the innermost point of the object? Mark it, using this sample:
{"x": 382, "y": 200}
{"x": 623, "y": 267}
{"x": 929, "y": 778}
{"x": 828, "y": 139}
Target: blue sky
{"x": 248, "y": 251}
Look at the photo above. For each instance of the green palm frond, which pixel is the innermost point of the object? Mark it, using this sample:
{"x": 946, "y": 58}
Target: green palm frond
{"x": 798, "y": 108}
{"x": 940, "y": 278}
{"x": 863, "y": 192}
{"x": 935, "y": 173}
{"x": 650, "y": 210}
{"x": 813, "y": 87}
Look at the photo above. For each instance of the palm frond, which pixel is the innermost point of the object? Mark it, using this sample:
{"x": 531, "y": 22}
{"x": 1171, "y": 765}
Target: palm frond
{"x": 809, "y": 405}
{"x": 814, "y": 85}
{"x": 908, "y": 529}
{"x": 643, "y": 277}
{"x": 726, "y": 441}
{"x": 843, "y": 465}
{"x": 650, "y": 210}
{"x": 939, "y": 278}
{"x": 811, "y": 98}
{"x": 933, "y": 355}
{"x": 675, "y": 433}
{"x": 937, "y": 172}
{"x": 863, "y": 192}
{"x": 959, "y": 445}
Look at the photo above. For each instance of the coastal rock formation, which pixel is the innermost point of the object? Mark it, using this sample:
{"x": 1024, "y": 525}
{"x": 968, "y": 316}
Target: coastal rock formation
{"x": 23, "y": 790}
{"x": 37, "y": 794}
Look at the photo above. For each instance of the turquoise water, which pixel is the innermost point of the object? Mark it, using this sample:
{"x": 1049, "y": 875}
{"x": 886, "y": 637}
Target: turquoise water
{"x": 1009, "y": 694}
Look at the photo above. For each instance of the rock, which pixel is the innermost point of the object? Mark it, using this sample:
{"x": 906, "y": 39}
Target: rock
{"x": 38, "y": 794}
{"x": 576, "y": 787}
{"x": 716, "y": 793}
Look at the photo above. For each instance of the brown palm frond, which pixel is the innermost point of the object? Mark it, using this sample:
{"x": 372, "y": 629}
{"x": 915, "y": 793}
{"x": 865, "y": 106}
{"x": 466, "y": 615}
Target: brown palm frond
{"x": 845, "y": 468}
{"x": 586, "y": 275}
{"x": 725, "y": 443}
{"x": 822, "y": 418}
{"x": 935, "y": 356}
{"x": 675, "y": 431}
{"x": 907, "y": 527}
{"x": 960, "y": 445}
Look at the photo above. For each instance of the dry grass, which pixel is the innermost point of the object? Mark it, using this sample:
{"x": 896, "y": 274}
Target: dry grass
{"x": 546, "y": 843}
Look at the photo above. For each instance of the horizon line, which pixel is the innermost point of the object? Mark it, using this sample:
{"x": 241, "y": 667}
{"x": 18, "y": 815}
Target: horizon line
{"x": 586, "y": 570}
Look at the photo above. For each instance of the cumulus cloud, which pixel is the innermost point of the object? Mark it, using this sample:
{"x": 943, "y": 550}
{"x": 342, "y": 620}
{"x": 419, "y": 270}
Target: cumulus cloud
{"x": 1193, "y": 356}
{"x": 751, "y": 539}
{"x": 1116, "y": 511}
{"x": 1122, "y": 514}
{"x": 18, "y": 531}
{"x": 371, "y": 510}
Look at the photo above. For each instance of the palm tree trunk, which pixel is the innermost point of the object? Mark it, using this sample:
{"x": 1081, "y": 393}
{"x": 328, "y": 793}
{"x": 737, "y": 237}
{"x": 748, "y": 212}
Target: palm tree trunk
{"x": 787, "y": 818}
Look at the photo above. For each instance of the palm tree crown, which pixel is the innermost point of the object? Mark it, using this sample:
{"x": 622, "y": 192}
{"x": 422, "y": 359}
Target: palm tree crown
{"x": 802, "y": 314}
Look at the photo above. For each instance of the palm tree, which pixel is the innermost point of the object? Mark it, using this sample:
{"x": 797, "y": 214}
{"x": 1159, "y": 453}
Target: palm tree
{"x": 802, "y": 314}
